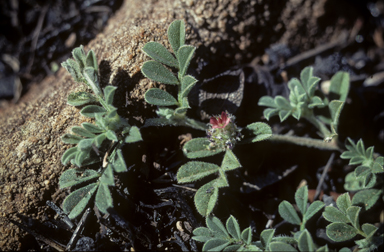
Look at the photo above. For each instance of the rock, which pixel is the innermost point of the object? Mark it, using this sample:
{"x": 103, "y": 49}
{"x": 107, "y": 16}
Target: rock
{"x": 226, "y": 33}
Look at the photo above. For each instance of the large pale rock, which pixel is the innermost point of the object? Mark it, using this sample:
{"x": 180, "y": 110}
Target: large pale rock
{"x": 227, "y": 32}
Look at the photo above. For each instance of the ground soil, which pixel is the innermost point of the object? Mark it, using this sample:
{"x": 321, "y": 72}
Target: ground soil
{"x": 227, "y": 34}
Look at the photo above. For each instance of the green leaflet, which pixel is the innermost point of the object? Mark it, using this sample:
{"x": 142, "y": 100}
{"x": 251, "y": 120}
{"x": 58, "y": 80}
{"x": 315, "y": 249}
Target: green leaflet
{"x": 184, "y": 56}
{"x": 156, "y": 96}
{"x": 198, "y": 148}
{"x": 68, "y": 155}
{"x": 134, "y": 135}
{"x": 256, "y": 132}
{"x": 91, "y": 110}
{"x": 91, "y": 60}
{"x": 80, "y": 98}
{"x": 159, "y": 53}
{"x": 76, "y": 176}
{"x": 366, "y": 198}
{"x": 157, "y": 72}
{"x": 195, "y": 170}
{"x": 288, "y": 213}
{"x": 305, "y": 242}
{"x": 103, "y": 198}
{"x": 339, "y": 232}
{"x": 339, "y": 87}
{"x": 301, "y": 198}
{"x": 71, "y": 139}
{"x": 233, "y": 227}
{"x": 206, "y": 198}
{"x": 281, "y": 246}
{"x": 109, "y": 93}
{"x": 176, "y": 34}
{"x": 230, "y": 161}
{"x": 76, "y": 202}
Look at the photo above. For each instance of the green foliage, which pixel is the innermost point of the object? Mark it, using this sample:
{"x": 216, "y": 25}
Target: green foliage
{"x": 367, "y": 169}
{"x": 94, "y": 142}
{"x": 302, "y": 101}
{"x": 160, "y": 70}
{"x": 345, "y": 224}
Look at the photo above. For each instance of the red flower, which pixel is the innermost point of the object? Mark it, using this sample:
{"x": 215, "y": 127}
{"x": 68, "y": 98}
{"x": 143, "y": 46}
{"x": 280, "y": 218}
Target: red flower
{"x": 220, "y": 121}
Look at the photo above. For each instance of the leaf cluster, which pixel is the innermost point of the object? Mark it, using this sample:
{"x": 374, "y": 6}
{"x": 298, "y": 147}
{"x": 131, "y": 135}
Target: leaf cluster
{"x": 97, "y": 142}
{"x": 217, "y": 237}
{"x": 159, "y": 70}
{"x": 303, "y": 100}
{"x": 206, "y": 196}
{"x": 345, "y": 224}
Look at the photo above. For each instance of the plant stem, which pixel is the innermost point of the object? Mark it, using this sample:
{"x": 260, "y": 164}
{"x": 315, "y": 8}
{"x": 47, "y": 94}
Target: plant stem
{"x": 305, "y": 141}
{"x": 319, "y": 125}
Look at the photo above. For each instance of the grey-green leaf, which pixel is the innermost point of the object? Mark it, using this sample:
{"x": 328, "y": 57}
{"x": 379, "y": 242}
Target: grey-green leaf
{"x": 82, "y": 132}
{"x": 369, "y": 229}
{"x": 332, "y": 214}
{"x": 366, "y": 198}
{"x": 335, "y": 108}
{"x": 301, "y": 198}
{"x": 288, "y": 213}
{"x": 195, "y": 170}
{"x": 111, "y": 135}
{"x": 99, "y": 140}
{"x": 339, "y": 232}
{"x": 91, "y": 60}
{"x": 198, "y": 148}
{"x": 85, "y": 145}
{"x": 230, "y": 161}
{"x": 256, "y": 132}
{"x": 202, "y": 234}
{"x": 79, "y": 55}
{"x": 68, "y": 155}
{"x": 233, "y": 227}
{"x": 91, "y": 127}
{"x": 305, "y": 242}
{"x": 76, "y": 202}
{"x": 281, "y": 246}
{"x": 134, "y": 135}
{"x": 103, "y": 198}
{"x": 313, "y": 209}
{"x": 266, "y": 237}
{"x": 353, "y": 215}
{"x": 74, "y": 69}
{"x": 267, "y": 101}
{"x": 176, "y": 34}
{"x": 184, "y": 56}
{"x": 343, "y": 202}
{"x": 76, "y": 176}
{"x": 119, "y": 163}
{"x": 91, "y": 110}
{"x": 80, "y": 98}
{"x": 206, "y": 198}
{"x": 71, "y": 139}
{"x": 107, "y": 177}
{"x": 339, "y": 87}
{"x": 187, "y": 84}
{"x": 109, "y": 93}
{"x": 159, "y": 53}
{"x": 246, "y": 235}
{"x": 90, "y": 75}
{"x": 157, "y": 72}
{"x": 215, "y": 244}
{"x": 156, "y": 96}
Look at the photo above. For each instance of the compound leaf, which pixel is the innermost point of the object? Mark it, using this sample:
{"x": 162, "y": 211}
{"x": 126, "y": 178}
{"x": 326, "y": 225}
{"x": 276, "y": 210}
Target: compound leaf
{"x": 134, "y": 135}
{"x": 339, "y": 87}
{"x": 119, "y": 163}
{"x": 107, "y": 177}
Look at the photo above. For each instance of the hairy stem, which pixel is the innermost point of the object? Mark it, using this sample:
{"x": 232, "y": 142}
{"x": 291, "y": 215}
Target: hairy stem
{"x": 305, "y": 141}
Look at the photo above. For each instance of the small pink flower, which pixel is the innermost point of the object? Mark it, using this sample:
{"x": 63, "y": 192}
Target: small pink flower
{"x": 220, "y": 122}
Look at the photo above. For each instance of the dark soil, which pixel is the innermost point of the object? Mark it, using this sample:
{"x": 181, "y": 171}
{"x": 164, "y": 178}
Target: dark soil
{"x": 152, "y": 211}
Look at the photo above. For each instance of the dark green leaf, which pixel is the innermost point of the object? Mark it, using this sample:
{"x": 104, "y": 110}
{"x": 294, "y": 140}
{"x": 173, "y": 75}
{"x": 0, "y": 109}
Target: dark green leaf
{"x": 301, "y": 198}
{"x": 198, "y": 148}
{"x": 288, "y": 213}
{"x": 362, "y": 171}
{"x": 160, "y": 97}
{"x": 76, "y": 176}
{"x": 184, "y": 56}
{"x": 332, "y": 214}
{"x": 181, "y": 111}
{"x": 68, "y": 155}
{"x": 352, "y": 183}
{"x": 80, "y": 98}
{"x": 339, "y": 232}
{"x": 233, "y": 227}
{"x": 109, "y": 93}
{"x": 234, "y": 247}
{"x": 76, "y": 202}
{"x": 157, "y": 72}
{"x": 103, "y": 198}
{"x": 369, "y": 229}
{"x": 90, "y": 110}
{"x": 71, "y": 139}
{"x": 176, "y": 34}
{"x": 82, "y": 132}
{"x": 369, "y": 180}
{"x": 353, "y": 215}
{"x": 206, "y": 198}
{"x": 195, "y": 170}
{"x": 159, "y": 53}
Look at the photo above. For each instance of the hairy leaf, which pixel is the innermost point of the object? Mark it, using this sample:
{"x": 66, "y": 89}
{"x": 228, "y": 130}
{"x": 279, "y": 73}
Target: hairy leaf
{"x": 187, "y": 84}
{"x": 76, "y": 202}
{"x": 288, "y": 213}
{"x": 366, "y": 198}
{"x": 119, "y": 163}
{"x": 159, "y": 53}
{"x": 233, "y": 227}
{"x": 80, "y": 98}
{"x": 91, "y": 127}
{"x": 82, "y": 132}
{"x": 315, "y": 207}
{"x": 160, "y": 97}
{"x": 281, "y": 246}
{"x": 301, "y": 198}
{"x": 76, "y": 176}
{"x": 195, "y": 170}
{"x": 107, "y": 177}
{"x": 206, "y": 198}
{"x": 339, "y": 87}
{"x": 134, "y": 135}
{"x": 74, "y": 69}
{"x": 91, "y": 60}
{"x": 256, "y": 132}
{"x": 68, "y": 155}
{"x": 71, "y": 139}
{"x": 230, "y": 161}
{"x": 343, "y": 202}
{"x": 91, "y": 110}
{"x": 305, "y": 242}
{"x": 246, "y": 235}
{"x": 176, "y": 34}
{"x": 202, "y": 234}
{"x": 90, "y": 75}
{"x": 184, "y": 56}
{"x": 339, "y": 232}
{"x": 266, "y": 237}
{"x": 157, "y": 72}
{"x": 198, "y": 148}
{"x": 215, "y": 244}
{"x": 332, "y": 214}
{"x": 103, "y": 198}
{"x": 109, "y": 93}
